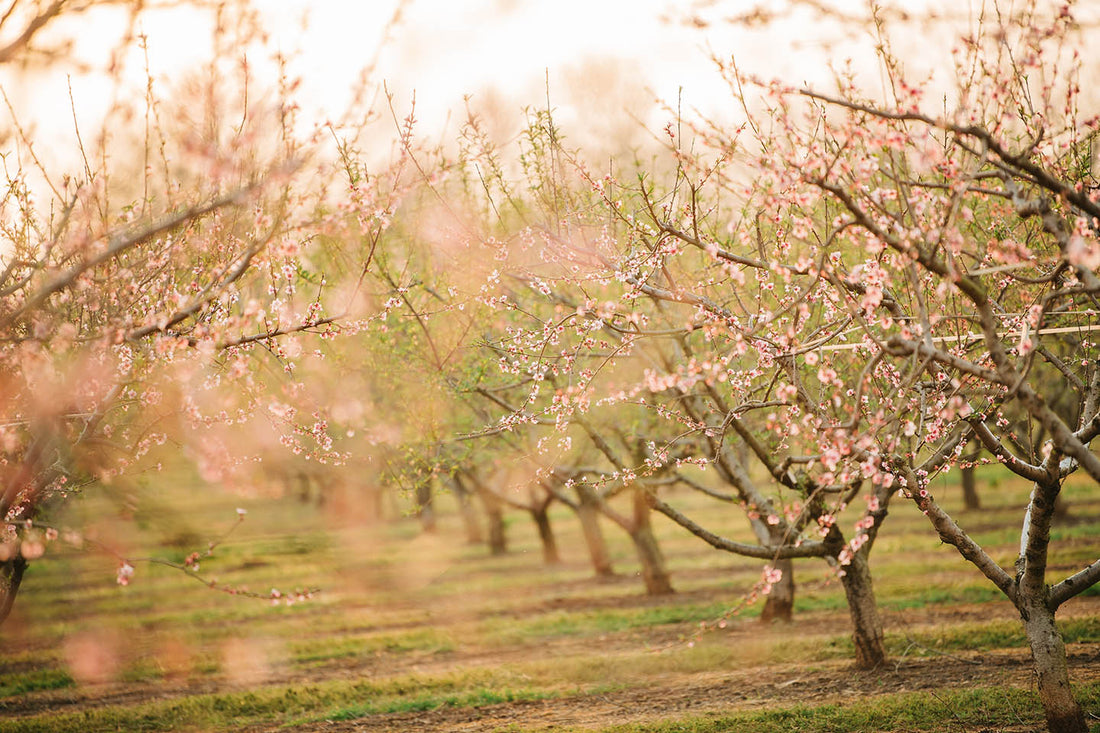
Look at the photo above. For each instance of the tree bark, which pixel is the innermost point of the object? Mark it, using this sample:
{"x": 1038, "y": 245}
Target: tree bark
{"x": 1048, "y": 651}
{"x": 589, "y": 514}
{"x": 541, "y": 515}
{"x": 866, "y": 625}
{"x": 494, "y": 512}
{"x": 11, "y": 575}
{"x": 470, "y": 520}
{"x": 654, "y": 573}
{"x": 780, "y": 603}
{"x": 425, "y": 509}
{"x": 971, "y": 500}
{"x": 498, "y": 544}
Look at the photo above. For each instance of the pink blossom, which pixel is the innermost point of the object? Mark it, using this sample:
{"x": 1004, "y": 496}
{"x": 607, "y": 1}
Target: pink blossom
{"x": 1082, "y": 253}
{"x": 125, "y": 573}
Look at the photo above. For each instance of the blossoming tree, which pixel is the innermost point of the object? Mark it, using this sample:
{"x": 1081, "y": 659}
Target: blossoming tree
{"x": 934, "y": 276}
{"x": 627, "y": 334}
{"x": 837, "y": 300}
{"x": 165, "y": 293}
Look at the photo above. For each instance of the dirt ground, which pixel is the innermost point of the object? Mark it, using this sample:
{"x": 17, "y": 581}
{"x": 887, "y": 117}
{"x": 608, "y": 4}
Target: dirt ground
{"x": 755, "y": 686}
{"x": 675, "y": 694}
{"x": 727, "y": 692}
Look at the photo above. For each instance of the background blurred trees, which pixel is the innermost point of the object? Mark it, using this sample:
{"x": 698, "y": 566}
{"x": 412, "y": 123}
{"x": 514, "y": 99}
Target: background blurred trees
{"x": 161, "y": 298}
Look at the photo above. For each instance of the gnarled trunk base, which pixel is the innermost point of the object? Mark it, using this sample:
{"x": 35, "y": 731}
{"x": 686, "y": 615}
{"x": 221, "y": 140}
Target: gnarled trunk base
{"x": 497, "y": 542}
{"x": 546, "y": 535}
{"x": 1048, "y": 651}
{"x": 495, "y": 515}
{"x": 780, "y": 603}
{"x": 866, "y": 624}
{"x": 654, "y": 573}
{"x": 470, "y": 520}
{"x": 11, "y": 576}
{"x": 588, "y": 514}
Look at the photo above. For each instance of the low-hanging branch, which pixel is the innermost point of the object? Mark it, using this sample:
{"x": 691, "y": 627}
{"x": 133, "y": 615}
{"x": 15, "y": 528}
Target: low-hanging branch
{"x": 761, "y": 552}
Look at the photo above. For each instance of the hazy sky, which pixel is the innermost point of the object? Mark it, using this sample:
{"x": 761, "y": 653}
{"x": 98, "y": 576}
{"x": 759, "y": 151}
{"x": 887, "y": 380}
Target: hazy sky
{"x": 606, "y": 60}
{"x": 616, "y": 55}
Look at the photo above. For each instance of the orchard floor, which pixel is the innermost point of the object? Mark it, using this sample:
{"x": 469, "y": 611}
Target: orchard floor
{"x": 424, "y": 632}
{"x": 674, "y": 696}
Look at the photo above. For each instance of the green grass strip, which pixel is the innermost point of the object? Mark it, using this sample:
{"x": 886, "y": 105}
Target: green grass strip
{"x": 912, "y": 712}
{"x": 230, "y": 711}
{"x": 41, "y": 679}
{"x": 949, "y": 710}
{"x": 476, "y": 698}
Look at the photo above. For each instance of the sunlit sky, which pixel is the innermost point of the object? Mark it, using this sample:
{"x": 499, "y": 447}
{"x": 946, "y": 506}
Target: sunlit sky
{"x": 607, "y": 63}
{"x": 610, "y": 56}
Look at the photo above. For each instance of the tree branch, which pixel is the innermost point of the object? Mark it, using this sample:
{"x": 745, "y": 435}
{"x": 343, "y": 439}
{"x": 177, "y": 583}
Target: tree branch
{"x": 806, "y": 549}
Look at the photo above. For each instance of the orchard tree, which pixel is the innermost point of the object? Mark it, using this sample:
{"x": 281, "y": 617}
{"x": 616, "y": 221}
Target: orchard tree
{"x": 933, "y": 269}
{"x": 586, "y": 504}
{"x": 861, "y": 292}
{"x": 565, "y": 313}
{"x": 443, "y": 270}
{"x": 165, "y": 294}
{"x": 618, "y": 335}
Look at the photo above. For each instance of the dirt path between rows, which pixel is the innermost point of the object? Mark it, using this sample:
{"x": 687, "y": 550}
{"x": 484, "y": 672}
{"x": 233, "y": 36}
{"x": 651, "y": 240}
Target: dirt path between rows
{"x": 756, "y": 685}
{"x": 719, "y": 693}
{"x": 674, "y": 694}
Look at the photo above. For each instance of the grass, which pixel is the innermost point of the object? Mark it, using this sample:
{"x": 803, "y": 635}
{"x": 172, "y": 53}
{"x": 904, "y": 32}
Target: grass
{"x": 475, "y": 698}
{"x": 985, "y": 709}
{"x": 293, "y": 704}
{"x": 408, "y": 622}
{"x": 944, "y": 596}
{"x": 557, "y": 624}
{"x": 310, "y": 653}
{"x": 33, "y": 681}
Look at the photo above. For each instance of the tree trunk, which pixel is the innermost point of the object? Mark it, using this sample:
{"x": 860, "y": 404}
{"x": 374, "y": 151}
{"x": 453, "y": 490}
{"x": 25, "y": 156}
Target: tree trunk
{"x": 541, "y": 515}
{"x": 780, "y": 603}
{"x": 1048, "y": 651}
{"x": 588, "y": 513}
{"x": 11, "y": 575}
{"x": 495, "y": 514}
{"x": 498, "y": 545}
{"x": 470, "y": 520}
{"x": 970, "y": 491}
{"x": 866, "y": 625}
{"x": 424, "y": 507}
{"x": 657, "y": 582}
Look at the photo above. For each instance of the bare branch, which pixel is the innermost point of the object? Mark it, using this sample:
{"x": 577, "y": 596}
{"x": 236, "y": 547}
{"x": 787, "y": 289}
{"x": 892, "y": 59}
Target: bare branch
{"x": 762, "y": 552}
{"x": 952, "y": 534}
{"x": 119, "y": 244}
{"x": 1075, "y": 584}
